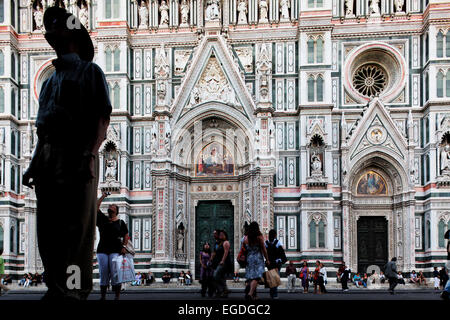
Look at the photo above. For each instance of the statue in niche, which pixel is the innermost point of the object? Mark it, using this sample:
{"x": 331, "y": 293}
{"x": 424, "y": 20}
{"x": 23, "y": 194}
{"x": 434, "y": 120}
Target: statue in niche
{"x": 39, "y": 17}
{"x": 284, "y": 9}
{"x": 84, "y": 15}
{"x": 212, "y": 10}
{"x": 167, "y": 142}
{"x": 242, "y": 9}
{"x": 143, "y": 15}
{"x": 349, "y": 7}
{"x": 111, "y": 168}
{"x": 264, "y": 69}
{"x": 164, "y": 9}
{"x": 184, "y": 12}
{"x": 316, "y": 164}
{"x": 263, "y": 7}
{"x": 374, "y": 7}
{"x": 399, "y": 5}
{"x": 445, "y": 158}
{"x": 180, "y": 238}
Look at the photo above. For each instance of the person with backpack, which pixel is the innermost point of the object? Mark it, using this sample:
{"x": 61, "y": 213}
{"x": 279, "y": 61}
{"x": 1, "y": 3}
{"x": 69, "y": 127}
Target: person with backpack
{"x": 277, "y": 257}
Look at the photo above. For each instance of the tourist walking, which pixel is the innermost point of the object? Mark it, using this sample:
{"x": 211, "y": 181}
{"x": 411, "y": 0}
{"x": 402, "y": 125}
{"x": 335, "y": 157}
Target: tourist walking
{"x": 322, "y": 279}
{"x": 2, "y": 273}
{"x": 304, "y": 276}
{"x": 277, "y": 257}
{"x": 316, "y": 276}
{"x": 291, "y": 273}
{"x": 436, "y": 278}
{"x": 390, "y": 270}
{"x": 221, "y": 262}
{"x": 73, "y": 116}
{"x": 256, "y": 252}
{"x": 345, "y": 275}
{"x": 206, "y": 271}
{"x": 113, "y": 239}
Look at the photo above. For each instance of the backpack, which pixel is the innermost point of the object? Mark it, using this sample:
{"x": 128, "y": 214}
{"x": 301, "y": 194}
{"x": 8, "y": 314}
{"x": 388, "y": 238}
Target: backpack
{"x": 276, "y": 252}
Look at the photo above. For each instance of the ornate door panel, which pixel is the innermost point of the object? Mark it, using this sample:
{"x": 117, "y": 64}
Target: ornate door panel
{"x": 211, "y": 215}
{"x": 372, "y": 242}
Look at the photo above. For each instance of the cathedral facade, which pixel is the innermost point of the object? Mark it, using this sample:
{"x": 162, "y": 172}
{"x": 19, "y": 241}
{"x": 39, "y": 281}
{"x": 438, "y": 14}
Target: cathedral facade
{"x": 327, "y": 120}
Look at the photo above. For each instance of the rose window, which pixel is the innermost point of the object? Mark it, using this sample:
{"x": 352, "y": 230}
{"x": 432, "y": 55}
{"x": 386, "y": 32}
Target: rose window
{"x": 370, "y": 80}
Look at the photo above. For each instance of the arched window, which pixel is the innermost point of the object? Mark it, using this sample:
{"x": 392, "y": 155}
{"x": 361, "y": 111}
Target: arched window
{"x": 2, "y": 100}
{"x": 426, "y": 47}
{"x": 108, "y": 9}
{"x": 108, "y": 61}
{"x": 319, "y": 88}
{"x": 116, "y": 8}
{"x": 426, "y": 86}
{"x": 1, "y": 238}
{"x": 116, "y": 94}
{"x": 310, "y": 3}
{"x": 447, "y": 84}
{"x": 317, "y": 234}
{"x": 428, "y": 234}
{"x": 319, "y": 50}
{"x": 117, "y": 59}
{"x": 441, "y": 232}
{"x": 2, "y": 11}
{"x": 440, "y": 45}
{"x": 312, "y": 234}
{"x": 2, "y": 63}
{"x": 13, "y": 178}
{"x": 321, "y": 228}
{"x": 440, "y": 85}
{"x": 13, "y": 65}
{"x": 310, "y": 50}
{"x": 310, "y": 88}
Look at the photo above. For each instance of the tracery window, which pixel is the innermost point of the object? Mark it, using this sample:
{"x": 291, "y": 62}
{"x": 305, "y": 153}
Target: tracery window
{"x": 441, "y": 89}
{"x": 315, "y": 88}
{"x": 317, "y": 233}
{"x": 315, "y": 49}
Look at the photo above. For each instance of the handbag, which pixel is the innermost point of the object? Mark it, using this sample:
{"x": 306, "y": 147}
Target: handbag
{"x": 242, "y": 257}
{"x": 129, "y": 246}
{"x": 272, "y": 278}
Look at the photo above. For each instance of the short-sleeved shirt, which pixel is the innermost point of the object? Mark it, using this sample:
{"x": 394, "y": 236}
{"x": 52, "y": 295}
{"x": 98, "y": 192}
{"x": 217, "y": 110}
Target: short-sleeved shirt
{"x": 111, "y": 234}
{"x": 2, "y": 266}
{"x": 72, "y": 101}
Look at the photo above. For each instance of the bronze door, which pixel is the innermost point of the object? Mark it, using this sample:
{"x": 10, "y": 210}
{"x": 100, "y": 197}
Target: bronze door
{"x": 372, "y": 242}
{"x": 211, "y": 215}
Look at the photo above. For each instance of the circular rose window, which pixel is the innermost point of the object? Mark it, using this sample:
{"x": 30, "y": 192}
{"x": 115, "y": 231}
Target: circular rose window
{"x": 370, "y": 80}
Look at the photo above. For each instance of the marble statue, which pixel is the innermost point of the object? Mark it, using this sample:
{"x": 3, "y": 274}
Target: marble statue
{"x": 284, "y": 9}
{"x": 212, "y": 10}
{"x": 242, "y": 9}
{"x": 263, "y": 7}
{"x": 167, "y": 142}
{"x": 39, "y": 18}
{"x": 445, "y": 158}
{"x": 374, "y": 8}
{"x": 316, "y": 164}
{"x": 184, "y": 12}
{"x": 84, "y": 16}
{"x": 349, "y": 7}
{"x": 164, "y": 9}
{"x": 180, "y": 240}
{"x": 399, "y": 5}
{"x": 143, "y": 15}
{"x": 111, "y": 169}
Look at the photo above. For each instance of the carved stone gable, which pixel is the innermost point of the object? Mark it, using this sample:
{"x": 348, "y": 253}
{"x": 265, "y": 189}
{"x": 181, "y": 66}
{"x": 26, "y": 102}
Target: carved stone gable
{"x": 213, "y": 85}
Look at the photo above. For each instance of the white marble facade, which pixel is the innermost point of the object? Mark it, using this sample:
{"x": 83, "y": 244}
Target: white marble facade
{"x": 297, "y": 103}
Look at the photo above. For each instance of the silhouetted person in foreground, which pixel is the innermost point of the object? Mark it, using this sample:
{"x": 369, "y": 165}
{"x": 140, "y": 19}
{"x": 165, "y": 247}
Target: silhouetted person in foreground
{"x": 74, "y": 111}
